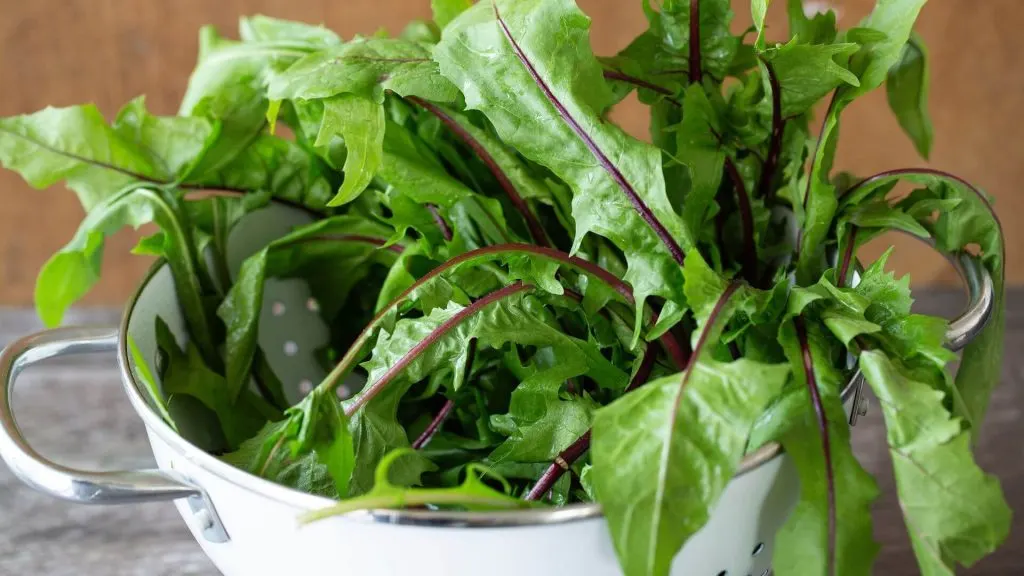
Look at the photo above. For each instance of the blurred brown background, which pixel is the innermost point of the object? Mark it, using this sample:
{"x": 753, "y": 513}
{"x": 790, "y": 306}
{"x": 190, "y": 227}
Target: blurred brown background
{"x": 64, "y": 52}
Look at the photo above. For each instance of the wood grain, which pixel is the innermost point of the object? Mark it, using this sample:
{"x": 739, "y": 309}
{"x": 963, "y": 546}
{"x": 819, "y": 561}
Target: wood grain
{"x": 76, "y": 413}
{"x": 62, "y": 52}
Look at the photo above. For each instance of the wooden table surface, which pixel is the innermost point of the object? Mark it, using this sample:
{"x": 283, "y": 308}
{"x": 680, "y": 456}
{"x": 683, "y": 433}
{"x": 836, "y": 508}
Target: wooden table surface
{"x": 75, "y": 412}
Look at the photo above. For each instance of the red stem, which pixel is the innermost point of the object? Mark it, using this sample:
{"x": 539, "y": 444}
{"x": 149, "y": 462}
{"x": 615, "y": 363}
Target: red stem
{"x": 536, "y": 230}
{"x": 446, "y": 230}
{"x": 844, "y": 266}
{"x": 442, "y": 415}
{"x": 612, "y": 170}
{"x": 434, "y": 425}
{"x": 747, "y": 219}
{"x": 563, "y": 462}
{"x": 695, "y": 61}
{"x": 395, "y": 369}
{"x": 819, "y": 411}
{"x": 565, "y": 459}
{"x": 623, "y": 77}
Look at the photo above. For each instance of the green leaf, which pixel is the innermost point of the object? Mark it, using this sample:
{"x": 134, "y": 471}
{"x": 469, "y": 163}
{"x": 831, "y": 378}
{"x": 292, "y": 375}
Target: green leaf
{"x": 360, "y": 123}
{"x": 262, "y": 456}
{"x": 75, "y": 145}
{"x": 532, "y": 73}
{"x": 366, "y": 67}
{"x": 881, "y": 214}
{"x": 416, "y": 347}
{"x": 472, "y": 494}
{"x": 662, "y": 455}
{"x": 971, "y": 221}
{"x": 894, "y": 19}
{"x": 260, "y": 28}
{"x": 701, "y": 152}
{"x": 186, "y": 373}
{"x": 906, "y": 86}
{"x": 955, "y": 513}
{"x": 156, "y": 396}
{"x": 543, "y": 421}
{"x": 278, "y": 166}
{"x": 174, "y": 144}
{"x": 70, "y": 273}
{"x": 718, "y": 45}
{"x": 447, "y": 10}
{"x": 228, "y": 84}
{"x": 807, "y": 72}
{"x": 758, "y": 12}
{"x": 802, "y": 545}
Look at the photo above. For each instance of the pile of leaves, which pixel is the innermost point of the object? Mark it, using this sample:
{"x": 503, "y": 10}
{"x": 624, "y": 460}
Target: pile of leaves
{"x": 546, "y": 310}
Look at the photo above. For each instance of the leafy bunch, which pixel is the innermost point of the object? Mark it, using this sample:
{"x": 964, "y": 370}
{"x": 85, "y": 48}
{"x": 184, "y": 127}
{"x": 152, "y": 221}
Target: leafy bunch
{"x": 544, "y": 309}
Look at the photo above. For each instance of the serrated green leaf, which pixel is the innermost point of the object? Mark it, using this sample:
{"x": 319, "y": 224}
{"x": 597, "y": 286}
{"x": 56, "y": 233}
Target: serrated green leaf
{"x": 360, "y": 123}
{"x": 542, "y": 88}
{"x": 955, "y": 513}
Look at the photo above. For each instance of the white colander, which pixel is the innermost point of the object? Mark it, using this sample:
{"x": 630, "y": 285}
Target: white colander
{"x": 248, "y": 526}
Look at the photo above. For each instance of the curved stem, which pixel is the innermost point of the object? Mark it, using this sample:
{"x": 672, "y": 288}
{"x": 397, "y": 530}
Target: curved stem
{"x": 442, "y": 415}
{"x": 480, "y": 255}
{"x": 532, "y": 224}
{"x": 616, "y": 175}
{"x": 844, "y": 265}
{"x": 747, "y": 219}
{"x": 395, "y": 369}
{"x": 640, "y": 82}
{"x": 819, "y": 411}
{"x": 565, "y": 459}
{"x": 446, "y": 231}
{"x": 563, "y": 462}
{"x": 434, "y": 426}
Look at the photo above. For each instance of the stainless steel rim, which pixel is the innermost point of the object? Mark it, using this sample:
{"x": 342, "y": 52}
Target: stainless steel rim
{"x": 980, "y": 299}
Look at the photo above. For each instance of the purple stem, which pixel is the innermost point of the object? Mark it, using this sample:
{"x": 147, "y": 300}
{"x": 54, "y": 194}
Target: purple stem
{"x": 708, "y": 325}
{"x": 844, "y": 265}
{"x": 695, "y": 60}
{"x": 446, "y": 230}
{"x": 747, "y": 219}
{"x": 623, "y": 77}
{"x": 819, "y": 411}
{"x": 434, "y": 425}
{"x": 353, "y": 354}
{"x": 771, "y": 161}
{"x": 532, "y": 224}
{"x": 939, "y": 174}
{"x": 563, "y": 462}
{"x": 613, "y": 171}
{"x": 397, "y": 367}
{"x": 565, "y": 459}
{"x": 442, "y": 415}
